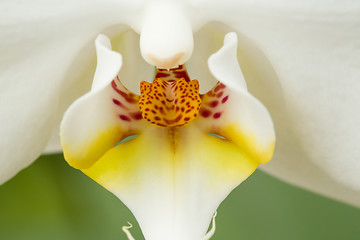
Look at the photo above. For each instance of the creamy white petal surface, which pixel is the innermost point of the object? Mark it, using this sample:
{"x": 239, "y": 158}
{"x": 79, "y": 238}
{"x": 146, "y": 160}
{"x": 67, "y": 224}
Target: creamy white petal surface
{"x": 39, "y": 41}
{"x": 302, "y": 60}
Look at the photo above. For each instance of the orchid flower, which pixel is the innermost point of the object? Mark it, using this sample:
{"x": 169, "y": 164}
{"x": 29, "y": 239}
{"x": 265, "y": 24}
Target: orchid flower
{"x": 300, "y": 59}
{"x": 174, "y": 174}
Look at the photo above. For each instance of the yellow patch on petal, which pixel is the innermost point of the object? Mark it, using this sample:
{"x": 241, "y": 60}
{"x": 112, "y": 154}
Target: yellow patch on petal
{"x": 169, "y": 103}
{"x": 172, "y": 157}
{"x": 261, "y": 153}
{"x": 225, "y": 163}
{"x": 127, "y": 164}
{"x": 92, "y": 148}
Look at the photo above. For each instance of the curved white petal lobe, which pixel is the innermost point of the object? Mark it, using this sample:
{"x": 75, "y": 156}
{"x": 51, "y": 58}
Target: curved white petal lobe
{"x": 230, "y": 111}
{"x": 224, "y": 64}
{"x": 101, "y": 118}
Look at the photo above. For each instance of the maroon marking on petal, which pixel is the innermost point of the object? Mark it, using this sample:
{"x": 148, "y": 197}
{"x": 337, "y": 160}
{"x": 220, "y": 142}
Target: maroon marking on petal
{"x": 123, "y": 94}
{"x": 205, "y": 113}
{"x": 136, "y": 116}
{"x": 125, "y": 118}
{"x": 117, "y": 102}
{"x": 186, "y": 119}
{"x": 162, "y": 75}
{"x": 217, "y": 115}
{"x": 225, "y": 99}
{"x": 217, "y": 88}
{"x": 182, "y": 74}
{"x": 213, "y": 103}
{"x": 219, "y": 94}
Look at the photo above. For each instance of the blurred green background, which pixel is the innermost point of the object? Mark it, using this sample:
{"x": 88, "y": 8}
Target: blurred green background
{"x": 50, "y": 200}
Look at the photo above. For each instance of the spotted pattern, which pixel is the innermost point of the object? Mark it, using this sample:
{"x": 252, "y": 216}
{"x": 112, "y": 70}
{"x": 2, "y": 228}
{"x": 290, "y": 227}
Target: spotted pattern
{"x": 171, "y": 100}
{"x": 213, "y": 102}
{"x": 125, "y": 102}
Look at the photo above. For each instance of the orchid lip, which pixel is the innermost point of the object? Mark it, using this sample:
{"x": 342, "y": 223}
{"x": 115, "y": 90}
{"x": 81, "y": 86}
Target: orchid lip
{"x": 191, "y": 164}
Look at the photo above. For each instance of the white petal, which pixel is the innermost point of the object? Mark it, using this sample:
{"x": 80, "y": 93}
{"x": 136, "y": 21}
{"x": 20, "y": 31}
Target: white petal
{"x": 100, "y": 119}
{"x": 39, "y": 41}
{"x": 230, "y": 111}
{"x": 224, "y": 65}
{"x": 302, "y": 60}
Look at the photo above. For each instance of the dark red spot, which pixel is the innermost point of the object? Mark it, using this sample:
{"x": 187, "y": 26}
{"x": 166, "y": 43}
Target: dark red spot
{"x": 225, "y": 99}
{"x": 186, "y": 119}
{"x": 161, "y": 75}
{"x": 219, "y": 94}
{"x": 182, "y": 74}
{"x": 205, "y": 113}
{"x": 217, "y": 88}
{"x": 123, "y": 94}
{"x": 125, "y": 118}
{"x": 213, "y": 103}
{"x": 136, "y": 116}
{"x": 217, "y": 115}
{"x": 147, "y": 109}
{"x": 117, "y": 102}
{"x": 157, "y": 118}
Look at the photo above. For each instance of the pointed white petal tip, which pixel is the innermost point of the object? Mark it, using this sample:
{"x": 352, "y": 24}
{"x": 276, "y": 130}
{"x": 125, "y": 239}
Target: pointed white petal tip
{"x": 127, "y": 232}
{"x": 230, "y": 39}
{"x": 224, "y": 64}
{"x": 210, "y": 233}
{"x": 109, "y": 63}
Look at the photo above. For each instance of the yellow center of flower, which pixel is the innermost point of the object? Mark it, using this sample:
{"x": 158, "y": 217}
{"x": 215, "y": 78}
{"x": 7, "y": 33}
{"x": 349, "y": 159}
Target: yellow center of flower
{"x": 171, "y": 100}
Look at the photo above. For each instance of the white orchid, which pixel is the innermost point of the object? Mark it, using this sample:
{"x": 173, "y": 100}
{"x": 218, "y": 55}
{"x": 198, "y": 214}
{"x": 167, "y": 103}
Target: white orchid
{"x": 300, "y": 59}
